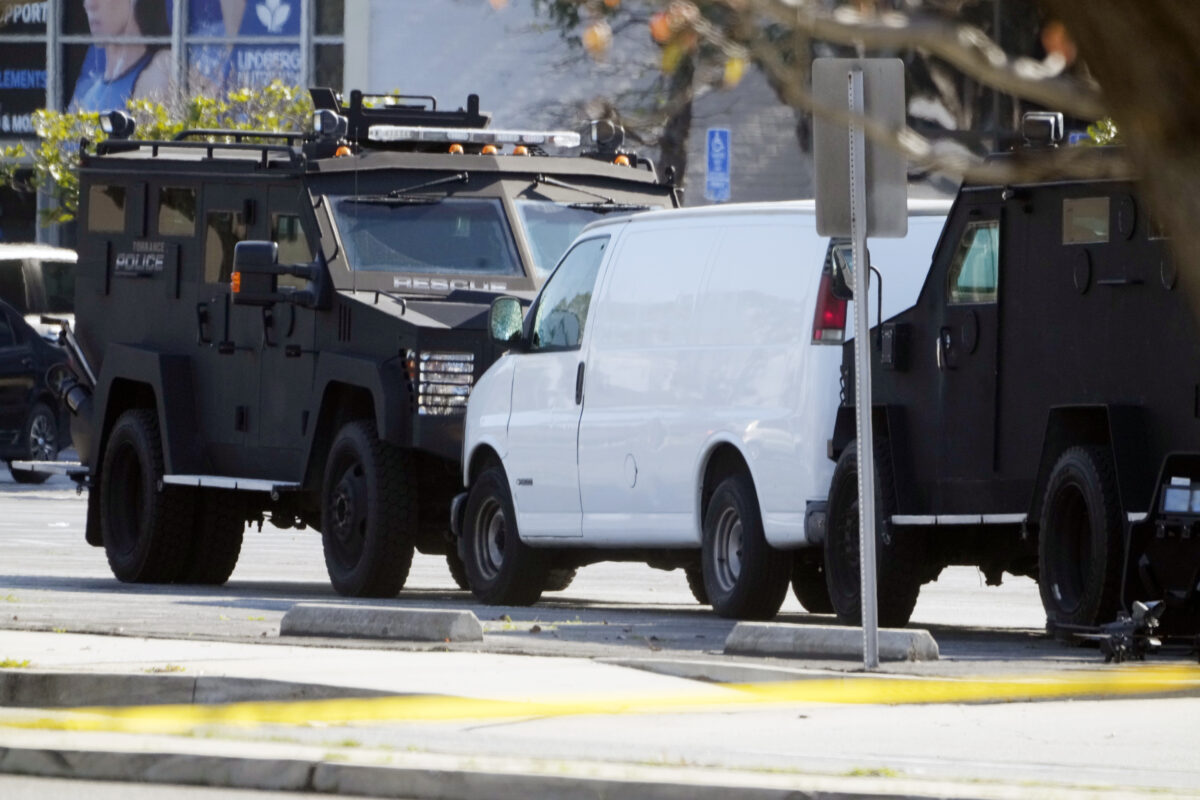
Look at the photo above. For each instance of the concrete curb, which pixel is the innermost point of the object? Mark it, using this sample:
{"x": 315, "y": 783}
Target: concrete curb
{"x": 41, "y": 689}
{"x": 411, "y": 624}
{"x": 446, "y": 778}
{"x": 820, "y": 641}
{"x": 714, "y": 671}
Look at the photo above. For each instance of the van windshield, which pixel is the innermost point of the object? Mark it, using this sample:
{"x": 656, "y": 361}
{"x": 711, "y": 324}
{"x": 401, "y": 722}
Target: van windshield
{"x": 433, "y": 235}
{"x": 551, "y": 227}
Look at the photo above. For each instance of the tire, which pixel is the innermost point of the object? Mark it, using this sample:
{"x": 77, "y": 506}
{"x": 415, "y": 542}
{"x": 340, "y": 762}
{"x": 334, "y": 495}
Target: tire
{"x": 501, "y": 569}
{"x": 808, "y": 583}
{"x": 216, "y": 538}
{"x": 367, "y": 513}
{"x": 560, "y": 579}
{"x": 457, "y": 571}
{"x": 695, "y": 582}
{"x": 898, "y": 554}
{"x": 744, "y": 577}
{"x": 40, "y": 438}
{"x": 1080, "y": 549}
{"x": 146, "y": 531}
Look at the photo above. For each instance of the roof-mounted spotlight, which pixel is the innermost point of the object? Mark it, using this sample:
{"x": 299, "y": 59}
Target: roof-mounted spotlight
{"x": 117, "y": 124}
{"x": 328, "y": 124}
{"x": 606, "y": 136}
{"x": 1042, "y": 128}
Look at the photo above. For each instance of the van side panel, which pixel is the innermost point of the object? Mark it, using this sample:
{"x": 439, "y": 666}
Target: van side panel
{"x": 768, "y": 387}
{"x": 642, "y": 389}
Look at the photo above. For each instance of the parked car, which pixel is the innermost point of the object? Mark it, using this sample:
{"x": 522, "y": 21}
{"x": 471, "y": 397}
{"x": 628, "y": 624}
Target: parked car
{"x": 32, "y": 422}
{"x": 667, "y": 399}
{"x": 37, "y": 279}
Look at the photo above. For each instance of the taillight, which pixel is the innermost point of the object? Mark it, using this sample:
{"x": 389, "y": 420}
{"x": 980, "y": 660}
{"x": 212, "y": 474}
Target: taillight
{"x": 829, "y": 320}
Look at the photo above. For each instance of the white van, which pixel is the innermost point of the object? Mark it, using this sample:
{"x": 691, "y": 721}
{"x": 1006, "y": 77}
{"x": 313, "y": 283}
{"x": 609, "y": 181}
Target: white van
{"x": 668, "y": 399}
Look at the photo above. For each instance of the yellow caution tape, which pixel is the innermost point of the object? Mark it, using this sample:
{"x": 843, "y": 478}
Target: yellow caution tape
{"x": 175, "y": 719}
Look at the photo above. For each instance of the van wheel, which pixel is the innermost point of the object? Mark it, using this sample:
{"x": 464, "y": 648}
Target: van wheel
{"x": 366, "y": 513}
{"x": 216, "y": 538}
{"x": 898, "y": 555}
{"x": 145, "y": 529}
{"x": 40, "y": 437}
{"x": 560, "y": 579}
{"x": 1080, "y": 549}
{"x": 695, "y": 582}
{"x": 744, "y": 576}
{"x": 501, "y": 569}
{"x": 458, "y": 571}
{"x": 808, "y": 583}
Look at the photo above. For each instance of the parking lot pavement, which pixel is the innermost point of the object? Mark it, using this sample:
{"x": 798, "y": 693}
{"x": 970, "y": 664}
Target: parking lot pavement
{"x": 536, "y": 718}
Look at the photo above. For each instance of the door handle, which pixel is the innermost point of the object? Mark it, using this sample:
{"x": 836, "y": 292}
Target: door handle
{"x": 944, "y": 341}
{"x": 579, "y": 384}
{"x": 26, "y": 362}
{"x": 203, "y": 336}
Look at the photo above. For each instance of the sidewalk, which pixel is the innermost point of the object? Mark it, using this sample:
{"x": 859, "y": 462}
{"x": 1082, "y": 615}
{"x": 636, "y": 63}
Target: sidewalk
{"x": 703, "y": 748}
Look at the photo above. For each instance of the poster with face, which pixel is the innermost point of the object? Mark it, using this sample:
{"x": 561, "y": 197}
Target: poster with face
{"x": 110, "y": 73}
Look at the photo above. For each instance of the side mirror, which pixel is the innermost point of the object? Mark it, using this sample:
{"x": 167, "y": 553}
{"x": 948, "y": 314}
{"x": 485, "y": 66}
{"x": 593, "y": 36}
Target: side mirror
{"x": 843, "y": 274}
{"x": 505, "y": 319}
{"x": 255, "y": 278}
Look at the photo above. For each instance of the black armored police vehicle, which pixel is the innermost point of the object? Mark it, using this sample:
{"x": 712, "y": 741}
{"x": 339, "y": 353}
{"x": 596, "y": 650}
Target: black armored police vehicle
{"x": 1037, "y": 412}
{"x": 287, "y": 326}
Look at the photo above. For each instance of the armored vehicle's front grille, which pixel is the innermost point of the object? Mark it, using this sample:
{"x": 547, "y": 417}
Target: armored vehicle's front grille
{"x": 444, "y": 382}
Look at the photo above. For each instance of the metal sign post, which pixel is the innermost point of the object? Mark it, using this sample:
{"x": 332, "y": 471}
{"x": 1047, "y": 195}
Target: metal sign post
{"x": 862, "y": 375}
{"x": 874, "y": 201}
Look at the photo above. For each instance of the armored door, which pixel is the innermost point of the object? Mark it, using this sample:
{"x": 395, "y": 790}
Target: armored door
{"x": 287, "y": 350}
{"x": 228, "y": 337}
{"x": 967, "y": 353}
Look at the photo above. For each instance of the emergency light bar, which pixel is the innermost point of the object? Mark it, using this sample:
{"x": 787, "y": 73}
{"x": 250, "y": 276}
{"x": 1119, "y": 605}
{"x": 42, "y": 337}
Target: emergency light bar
{"x": 412, "y": 133}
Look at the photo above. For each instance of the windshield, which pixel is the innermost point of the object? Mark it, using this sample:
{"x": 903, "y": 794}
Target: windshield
{"x": 551, "y": 227}
{"x": 426, "y": 235}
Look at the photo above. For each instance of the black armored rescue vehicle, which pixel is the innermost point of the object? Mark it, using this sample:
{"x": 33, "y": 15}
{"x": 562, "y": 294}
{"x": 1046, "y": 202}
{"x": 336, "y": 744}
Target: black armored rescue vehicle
{"x": 288, "y": 326}
{"x": 1037, "y": 412}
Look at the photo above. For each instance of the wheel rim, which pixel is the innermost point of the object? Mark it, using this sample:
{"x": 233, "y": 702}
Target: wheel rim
{"x": 490, "y": 532}
{"x": 42, "y": 438}
{"x": 127, "y": 495}
{"x": 1070, "y": 525}
{"x": 727, "y": 542}
{"x": 348, "y": 514}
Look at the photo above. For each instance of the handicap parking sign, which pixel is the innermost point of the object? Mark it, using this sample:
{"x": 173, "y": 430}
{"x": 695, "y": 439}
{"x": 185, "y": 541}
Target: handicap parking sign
{"x": 716, "y": 174}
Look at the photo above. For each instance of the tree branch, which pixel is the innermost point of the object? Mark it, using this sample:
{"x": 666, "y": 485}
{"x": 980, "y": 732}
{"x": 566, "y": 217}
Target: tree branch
{"x": 964, "y": 46}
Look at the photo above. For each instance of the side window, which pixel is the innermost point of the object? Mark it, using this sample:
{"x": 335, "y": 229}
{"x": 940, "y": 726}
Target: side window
{"x": 7, "y": 336}
{"x": 12, "y": 286}
{"x": 288, "y": 233}
{"x": 222, "y": 231}
{"x": 563, "y": 307}
{"x": 975, "y": 269}
{"x": 176, "y": 211}
{"x": 106, "y": 208}
{"x": 1085, "y": 220}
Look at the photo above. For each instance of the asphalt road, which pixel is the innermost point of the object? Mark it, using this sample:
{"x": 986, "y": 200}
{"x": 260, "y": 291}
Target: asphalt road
{"x": 50, "y": 579}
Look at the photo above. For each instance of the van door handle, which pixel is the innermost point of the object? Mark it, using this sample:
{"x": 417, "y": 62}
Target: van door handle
{"x": 579, "y": 384}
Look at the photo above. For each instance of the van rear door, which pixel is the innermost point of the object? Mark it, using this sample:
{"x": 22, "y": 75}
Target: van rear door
{"x": 547, "y": 398}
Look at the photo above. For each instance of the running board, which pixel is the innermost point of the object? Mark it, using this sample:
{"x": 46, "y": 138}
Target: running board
{"x": 225, "y": 482}
{"x": 72, "y": 469}
{"x": 958, "y": 519}
{"x": 979, "y": 519}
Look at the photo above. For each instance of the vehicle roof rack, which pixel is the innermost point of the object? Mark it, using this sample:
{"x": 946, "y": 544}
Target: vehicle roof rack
{"x": 367, "y": 110}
